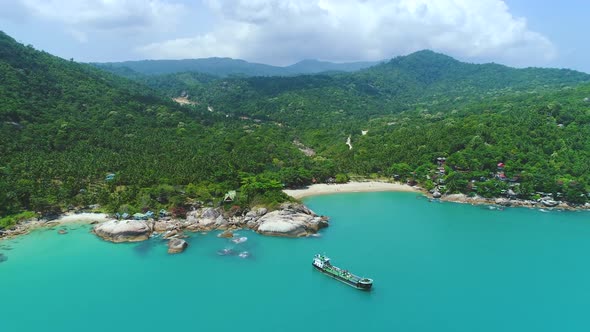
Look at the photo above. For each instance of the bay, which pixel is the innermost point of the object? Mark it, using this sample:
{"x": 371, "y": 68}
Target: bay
{"x": 436, "y": 266}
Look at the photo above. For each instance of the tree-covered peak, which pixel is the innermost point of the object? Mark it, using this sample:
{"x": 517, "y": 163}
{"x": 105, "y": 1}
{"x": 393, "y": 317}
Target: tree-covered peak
{"x": 429, "y": 73}
{"x": 423, "y": 57}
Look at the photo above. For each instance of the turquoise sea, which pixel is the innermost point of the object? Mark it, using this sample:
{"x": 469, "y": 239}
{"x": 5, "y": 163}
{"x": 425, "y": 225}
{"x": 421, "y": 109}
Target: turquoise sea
{"x": 437, "y": 267}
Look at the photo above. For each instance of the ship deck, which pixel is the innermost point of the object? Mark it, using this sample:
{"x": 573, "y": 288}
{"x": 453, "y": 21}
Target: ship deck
{"x": 342, "y": 273}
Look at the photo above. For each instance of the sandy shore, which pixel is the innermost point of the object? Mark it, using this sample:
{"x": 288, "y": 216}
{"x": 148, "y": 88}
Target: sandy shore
{"x": 81, "y": 217}
{"x": 351, "y": 187}
{"x": 68, "y": 218}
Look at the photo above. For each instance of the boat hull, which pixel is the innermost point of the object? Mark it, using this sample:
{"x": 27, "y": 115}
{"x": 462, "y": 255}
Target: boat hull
{"x": 357, "y": 285}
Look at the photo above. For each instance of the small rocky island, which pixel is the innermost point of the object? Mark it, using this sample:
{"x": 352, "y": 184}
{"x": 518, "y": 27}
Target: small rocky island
{"x": 290, "y": 220}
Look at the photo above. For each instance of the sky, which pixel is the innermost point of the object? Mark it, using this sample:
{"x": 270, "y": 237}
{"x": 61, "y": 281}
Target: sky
{"x": 519, "y": 33}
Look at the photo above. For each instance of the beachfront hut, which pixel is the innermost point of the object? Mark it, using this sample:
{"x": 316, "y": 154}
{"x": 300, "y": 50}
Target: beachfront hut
{"x": 230, "y": 196}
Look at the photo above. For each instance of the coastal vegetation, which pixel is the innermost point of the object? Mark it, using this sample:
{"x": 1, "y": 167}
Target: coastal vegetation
{"x": 74, "y": 135}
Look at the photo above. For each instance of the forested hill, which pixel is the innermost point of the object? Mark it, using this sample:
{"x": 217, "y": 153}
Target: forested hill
{"x": 64, "y": 126}
{"x": 404, "y": 83}
{"x": 402, "y": 115}
{"x": 74, "y": 135}
{"x": 223, "y": 67}
{"x": 430, "y": 73}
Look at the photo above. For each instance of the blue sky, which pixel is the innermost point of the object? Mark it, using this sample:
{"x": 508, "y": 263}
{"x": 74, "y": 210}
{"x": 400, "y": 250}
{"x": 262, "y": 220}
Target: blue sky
{"x": 513, "y": 32}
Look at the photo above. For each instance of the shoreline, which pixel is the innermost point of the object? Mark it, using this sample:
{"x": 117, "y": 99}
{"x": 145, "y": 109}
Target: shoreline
{"x": 64, "y": 219}
{"x": 312, "y": 190}
{"x": 379, "y": 186}
{"x": 507, "y": 202}
{"x": 350, "y": 187}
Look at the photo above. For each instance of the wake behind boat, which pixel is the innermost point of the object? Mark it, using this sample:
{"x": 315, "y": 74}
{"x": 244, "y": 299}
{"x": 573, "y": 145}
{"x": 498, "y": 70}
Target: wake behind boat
{"x": 322, "y": 263}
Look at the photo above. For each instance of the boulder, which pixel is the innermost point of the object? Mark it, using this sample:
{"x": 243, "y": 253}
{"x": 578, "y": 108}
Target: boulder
{"x": 123, "y": 230}
{"x": 279, "y": 224}
{"x": 170, "y": 234}
{"x": 318, "y": 223}
{"x": 293, "y": 220}
{"x": 226, "y": 234}
{"x": 549, "y": 202}
{"x": 503, "y": 202}
{"x": 209, "y": 217}
{"x": 256, "y": 213}
{"x": 221, "y": 222}
{"x": 193, "y": 216}
{"x": 164, "y": 225}
{"x": 176, "y": 246}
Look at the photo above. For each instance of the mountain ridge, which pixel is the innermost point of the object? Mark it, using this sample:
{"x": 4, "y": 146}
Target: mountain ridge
{"x": 224, "y": 66}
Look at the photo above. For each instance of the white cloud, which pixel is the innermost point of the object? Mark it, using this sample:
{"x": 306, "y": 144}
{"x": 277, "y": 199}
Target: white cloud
{"x": 280, "y": 32}
{"x": 12, "y": 11}
{"x": 83, "y": 16}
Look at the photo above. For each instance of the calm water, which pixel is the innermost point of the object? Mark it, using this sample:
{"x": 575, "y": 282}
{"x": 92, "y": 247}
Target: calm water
{"x": 436, "y": 266}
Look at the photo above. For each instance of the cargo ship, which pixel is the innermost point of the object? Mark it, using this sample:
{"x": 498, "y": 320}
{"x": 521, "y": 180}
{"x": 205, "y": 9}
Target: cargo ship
{"x": 322, "y": 263}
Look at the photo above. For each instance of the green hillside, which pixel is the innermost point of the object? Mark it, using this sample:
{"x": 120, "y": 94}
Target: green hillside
{"x": 73, "y": 135}
{"x": 64, "y": 126}
{"x": 423, "y": 106}
{"x": 403, "y": 83}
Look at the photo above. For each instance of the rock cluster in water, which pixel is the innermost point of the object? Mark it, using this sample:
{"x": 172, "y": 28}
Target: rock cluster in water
{"x": 176, "y": 246}
{"x": 501, "y": 201}
{"x": 123, "y": 230}
{"x": 291, "y": 220}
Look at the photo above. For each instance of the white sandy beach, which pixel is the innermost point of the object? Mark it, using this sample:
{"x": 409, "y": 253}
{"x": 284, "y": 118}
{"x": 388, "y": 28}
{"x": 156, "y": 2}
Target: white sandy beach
{"x": 351, "y": 187}
{"x": 81, "y": 217}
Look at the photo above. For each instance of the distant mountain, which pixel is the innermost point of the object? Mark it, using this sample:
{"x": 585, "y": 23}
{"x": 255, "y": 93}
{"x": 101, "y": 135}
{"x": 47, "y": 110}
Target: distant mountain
{"x": 224, "y": 67}
{"x": 419, "y": 77}
{"x": 315, "y": 66}
{"x": 426, "y": 72}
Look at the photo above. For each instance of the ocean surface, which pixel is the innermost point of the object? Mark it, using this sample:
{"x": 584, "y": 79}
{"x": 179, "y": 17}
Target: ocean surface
{"x": 437, "y": 267}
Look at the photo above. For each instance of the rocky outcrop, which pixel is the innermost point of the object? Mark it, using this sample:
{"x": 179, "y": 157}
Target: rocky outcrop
{"x": 251, "y": 218}
{"x": 176, "y": 246}
{"x": 292, "y": 220}
{"x": 503, "y": 202}
{"x": 123, "y": 230}
{"x": 549, "y": 202}
{"x": 164, "y": 225}
{"x": 205, "y": 219}
{"x": 226, "y": 234}
{"x": 210, "y": 216}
